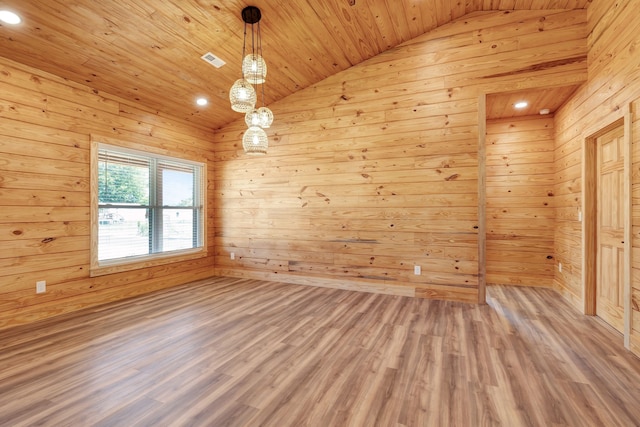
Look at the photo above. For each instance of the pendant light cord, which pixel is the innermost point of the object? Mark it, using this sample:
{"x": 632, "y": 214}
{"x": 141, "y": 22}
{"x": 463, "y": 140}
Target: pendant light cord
{"x": 261, "y": 68}
{"x": 244, "y": 44}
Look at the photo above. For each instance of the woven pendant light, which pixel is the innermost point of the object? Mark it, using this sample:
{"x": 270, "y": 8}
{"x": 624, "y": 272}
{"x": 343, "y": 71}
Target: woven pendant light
{"x": 254, "y": 68}
{"x": 242, "y": 96}
{"x": 255, "y": 141}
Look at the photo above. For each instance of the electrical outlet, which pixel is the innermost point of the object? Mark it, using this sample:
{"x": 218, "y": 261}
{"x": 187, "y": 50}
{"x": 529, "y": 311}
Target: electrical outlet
{"x": 233, "y": 255}
{"x": 417, "y": 270}
{"x": 580, "y": 216}
{"x": 41, "y": 287}
{"x": 560, "y": 267}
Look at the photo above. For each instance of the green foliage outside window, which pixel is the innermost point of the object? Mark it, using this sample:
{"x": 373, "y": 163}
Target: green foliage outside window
{"x": 123, "y": 184}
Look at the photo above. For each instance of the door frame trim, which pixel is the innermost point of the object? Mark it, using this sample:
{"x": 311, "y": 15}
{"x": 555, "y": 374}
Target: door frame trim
{"x": 482, "y": 198}
{"x": 589, "y": 215}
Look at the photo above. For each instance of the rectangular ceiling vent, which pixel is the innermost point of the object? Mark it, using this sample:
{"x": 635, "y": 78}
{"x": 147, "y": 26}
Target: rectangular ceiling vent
{"x": 213, "y": 60}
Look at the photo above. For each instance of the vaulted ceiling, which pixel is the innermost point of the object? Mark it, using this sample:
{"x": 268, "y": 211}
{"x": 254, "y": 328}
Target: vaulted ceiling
{"x": 149, "y": 51}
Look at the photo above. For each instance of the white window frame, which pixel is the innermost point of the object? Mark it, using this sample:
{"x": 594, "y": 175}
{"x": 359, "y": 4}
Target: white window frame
{"x": 103, "y": 267}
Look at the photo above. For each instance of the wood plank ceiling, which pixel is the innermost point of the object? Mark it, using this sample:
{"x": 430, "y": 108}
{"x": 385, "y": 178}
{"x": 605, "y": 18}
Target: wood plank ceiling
{"x": 149, "y": 51}
{"x": 503, "y": 105}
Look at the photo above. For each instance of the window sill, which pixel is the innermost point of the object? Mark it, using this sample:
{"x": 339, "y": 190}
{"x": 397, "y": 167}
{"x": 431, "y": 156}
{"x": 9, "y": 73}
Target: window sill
{"x": 139, "y": 262}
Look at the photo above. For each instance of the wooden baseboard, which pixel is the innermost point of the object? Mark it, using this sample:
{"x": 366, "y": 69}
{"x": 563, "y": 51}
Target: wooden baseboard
{"x": 453, "y": 293}
{"x": 634, "y": 345}
{"x": 350, "y": 285}
{"x": 571, "y": 298}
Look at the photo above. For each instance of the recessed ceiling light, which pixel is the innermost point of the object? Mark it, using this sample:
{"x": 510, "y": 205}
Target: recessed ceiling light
{"x": 9, "y": 17}
{"x": 202, "y": 101}
{"x": 521, "y": 104}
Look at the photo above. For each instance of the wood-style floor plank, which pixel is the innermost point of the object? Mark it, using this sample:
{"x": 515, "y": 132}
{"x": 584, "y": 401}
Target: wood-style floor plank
{"x": 235, "y": 352}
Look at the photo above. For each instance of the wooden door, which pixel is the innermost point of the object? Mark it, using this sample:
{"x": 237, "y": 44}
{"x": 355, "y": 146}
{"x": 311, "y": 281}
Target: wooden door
{"x": 610, "y": 228}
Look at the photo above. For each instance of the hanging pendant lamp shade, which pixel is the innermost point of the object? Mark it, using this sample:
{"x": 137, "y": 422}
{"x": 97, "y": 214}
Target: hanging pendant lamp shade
{"x": 265, "y": 117}
{"x": 252, "y": 118}
{"x": 254, "y": 68}
{"x": 255, "y": 141}
{"x": 242, "y": 96}
{"x": 261, "y": 117}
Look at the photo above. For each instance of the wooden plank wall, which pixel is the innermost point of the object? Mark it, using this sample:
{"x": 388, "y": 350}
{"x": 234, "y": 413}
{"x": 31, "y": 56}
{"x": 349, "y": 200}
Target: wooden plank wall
{"x": 614, "y": 83}
{"x": 45, "y": 128}
{"x": 520, "y": 207}
{"x": 375, "y": 170}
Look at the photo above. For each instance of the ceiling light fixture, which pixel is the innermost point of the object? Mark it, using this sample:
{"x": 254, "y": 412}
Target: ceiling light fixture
{"x": 202, "y": 101}
{"x": 243, "y": 96}
{"x": 254, "y": 141}
{"x": 520, "y": 105}
{"x": 9, "y": 17}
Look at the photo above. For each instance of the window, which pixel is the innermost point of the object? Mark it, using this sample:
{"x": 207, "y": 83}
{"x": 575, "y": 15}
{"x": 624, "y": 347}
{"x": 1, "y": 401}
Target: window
{"x": 149, "y": 207}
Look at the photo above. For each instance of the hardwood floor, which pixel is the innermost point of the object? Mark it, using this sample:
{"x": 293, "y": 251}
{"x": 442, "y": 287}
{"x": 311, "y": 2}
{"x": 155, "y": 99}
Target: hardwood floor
{"x": 232, "y": 352}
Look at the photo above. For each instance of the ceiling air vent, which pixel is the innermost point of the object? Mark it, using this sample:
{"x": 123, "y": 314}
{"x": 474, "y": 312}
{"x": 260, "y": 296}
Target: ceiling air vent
{"x": 213, "y": 60}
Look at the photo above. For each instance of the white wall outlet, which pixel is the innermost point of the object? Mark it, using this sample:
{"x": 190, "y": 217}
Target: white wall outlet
{"x": 232, "y": 255}
{"x": 580, "y": 216}
{"x": 417, "y": 270}
{"x": 560, "y": 267}
{"x": 41, "y": 286}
